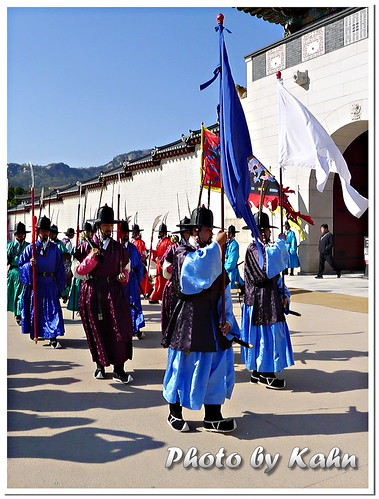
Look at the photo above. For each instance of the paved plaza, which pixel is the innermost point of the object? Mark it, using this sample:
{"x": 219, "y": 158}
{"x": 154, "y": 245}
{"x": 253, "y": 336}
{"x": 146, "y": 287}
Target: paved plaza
{"x": 69, "y": 431}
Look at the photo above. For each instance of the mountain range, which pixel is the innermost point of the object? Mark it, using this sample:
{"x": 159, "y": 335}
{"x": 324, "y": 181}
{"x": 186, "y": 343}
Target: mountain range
{"x": 56, "y": 175}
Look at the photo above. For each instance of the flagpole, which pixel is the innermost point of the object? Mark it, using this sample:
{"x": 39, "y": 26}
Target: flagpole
{"x": 202, "y": 172}
{"x": 220, "y": 20}
{"x": 279, "y": 76}
{"x": 34, "y": 256}
{"x": 223, "y": 281}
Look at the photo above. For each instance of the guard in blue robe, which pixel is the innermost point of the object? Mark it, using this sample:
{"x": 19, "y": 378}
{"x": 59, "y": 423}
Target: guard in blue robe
{"x": 133, "y": 288}
{"x": 263, "y": 322}
{"x": 232, "y": 254}
{"x": 291, "y": 246}
{"x": 51, "y": 281}
{"x": 200, "y": 363}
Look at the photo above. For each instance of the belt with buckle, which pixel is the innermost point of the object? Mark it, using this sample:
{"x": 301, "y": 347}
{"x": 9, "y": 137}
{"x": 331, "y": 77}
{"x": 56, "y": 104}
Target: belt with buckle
{"x": 101, "y": 279}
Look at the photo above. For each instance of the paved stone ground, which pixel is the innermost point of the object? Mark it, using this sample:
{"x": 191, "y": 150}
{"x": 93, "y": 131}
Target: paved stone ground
{"x": 68, "y": 432}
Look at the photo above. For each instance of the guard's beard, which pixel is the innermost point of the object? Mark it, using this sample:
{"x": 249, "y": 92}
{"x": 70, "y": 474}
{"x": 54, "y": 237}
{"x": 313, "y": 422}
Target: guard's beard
{"x": 104, "y": 235}
{"x": 202, "y": 244}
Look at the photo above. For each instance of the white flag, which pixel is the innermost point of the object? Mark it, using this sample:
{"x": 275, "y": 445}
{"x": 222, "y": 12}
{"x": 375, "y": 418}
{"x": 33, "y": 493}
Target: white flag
{"x": 303, "y": 142}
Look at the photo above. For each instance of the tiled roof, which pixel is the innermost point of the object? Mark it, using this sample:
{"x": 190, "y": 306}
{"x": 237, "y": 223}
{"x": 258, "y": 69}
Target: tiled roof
{"x": 186, "y": 144}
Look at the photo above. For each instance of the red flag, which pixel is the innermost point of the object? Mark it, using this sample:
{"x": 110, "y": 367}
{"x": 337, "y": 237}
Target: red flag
{"x": 210, "y": 168}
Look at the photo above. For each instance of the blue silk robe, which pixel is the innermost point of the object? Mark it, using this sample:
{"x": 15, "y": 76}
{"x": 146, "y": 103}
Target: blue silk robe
{"x": 263, "y": 322}
{"x": 133, "y": 288}
{"x": 199, "y": 375}
{"x": 232, "y": 254}
{"x": 49, "y": 315}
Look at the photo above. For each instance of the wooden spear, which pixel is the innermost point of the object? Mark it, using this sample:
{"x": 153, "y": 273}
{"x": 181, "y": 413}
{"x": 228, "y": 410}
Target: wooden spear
{"x": 34, "y": 256}
{"x": 155, "y": 223}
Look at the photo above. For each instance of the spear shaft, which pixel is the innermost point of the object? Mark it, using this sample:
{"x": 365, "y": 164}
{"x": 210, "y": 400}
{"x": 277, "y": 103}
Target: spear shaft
{"x": 41, "y": 201}
{"x": 155, "y": 223}
{"x": 118, "y": 208}
{"x": 34, "y": 256}
{"x": 85, "y": 206}
{"x": 78, "y": 215}
{"x": 77, "y": 245}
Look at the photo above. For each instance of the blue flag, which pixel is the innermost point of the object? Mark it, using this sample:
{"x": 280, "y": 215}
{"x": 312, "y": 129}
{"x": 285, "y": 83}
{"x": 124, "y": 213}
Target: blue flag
{"x": 235, "y": 142}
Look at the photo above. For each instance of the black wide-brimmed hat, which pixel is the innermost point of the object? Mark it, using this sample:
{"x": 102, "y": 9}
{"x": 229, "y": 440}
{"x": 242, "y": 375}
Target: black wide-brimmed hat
{"x": 20, "y": 228}
{"x": 162, "y": 228}
{"x": 184, "y": 224}
{"x": 202, "y": 217}
{"x": 135, "y": 228}
{"x": 232, "y": 229}
{"x": 43, "y": 223}
{"x": 124, "y": 226}
{"x": 87, "y": 227}
{"x": 105, "y": 215}
{"x": 54, "y": 229}
{"x": 70, "y": 232}
{"x": 262, "y": 221}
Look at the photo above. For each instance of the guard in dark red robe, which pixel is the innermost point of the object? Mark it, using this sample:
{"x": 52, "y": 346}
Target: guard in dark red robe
{"x": 157, "y": 255}
{"x": 103, "y": 305}
{"x": 138, "y": 242}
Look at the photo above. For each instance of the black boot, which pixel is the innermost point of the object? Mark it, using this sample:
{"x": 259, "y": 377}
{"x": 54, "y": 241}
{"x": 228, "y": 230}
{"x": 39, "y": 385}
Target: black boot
{"x": 175, "y": 418}
{"x": 100, "y": 371}
{"x": 54, "y": 343}
{"x": 120, "y": 375}
{"x": 213, "y": 420}
{"x": 269, "y": 380}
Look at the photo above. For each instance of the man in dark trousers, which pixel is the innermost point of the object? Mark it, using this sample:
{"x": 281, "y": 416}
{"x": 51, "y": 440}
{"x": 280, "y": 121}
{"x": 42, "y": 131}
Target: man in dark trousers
{"x": 200, "y": 361}
{"x": 325, "y": 248}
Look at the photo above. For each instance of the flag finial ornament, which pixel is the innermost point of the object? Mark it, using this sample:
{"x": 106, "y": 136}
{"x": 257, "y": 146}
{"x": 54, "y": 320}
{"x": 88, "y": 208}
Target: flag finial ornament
{"x": 220, "y": 18}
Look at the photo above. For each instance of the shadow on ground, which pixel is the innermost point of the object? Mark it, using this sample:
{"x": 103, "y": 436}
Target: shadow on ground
{"x": 312, "y": 381}
{"x": 83, "y": 445}
{"x": 254, "y": 426}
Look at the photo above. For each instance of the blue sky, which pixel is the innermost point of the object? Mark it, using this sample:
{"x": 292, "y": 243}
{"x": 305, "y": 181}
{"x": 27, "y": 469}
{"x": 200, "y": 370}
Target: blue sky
{"x": 87, "y": 84}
